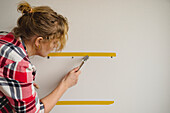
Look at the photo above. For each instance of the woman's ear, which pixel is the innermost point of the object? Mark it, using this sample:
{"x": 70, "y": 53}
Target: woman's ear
{"x": 38, "y": 41}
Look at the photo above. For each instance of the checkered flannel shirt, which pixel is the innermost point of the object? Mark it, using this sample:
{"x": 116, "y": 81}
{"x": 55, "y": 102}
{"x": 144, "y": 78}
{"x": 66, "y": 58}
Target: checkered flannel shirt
{"x": 17, "y": 74}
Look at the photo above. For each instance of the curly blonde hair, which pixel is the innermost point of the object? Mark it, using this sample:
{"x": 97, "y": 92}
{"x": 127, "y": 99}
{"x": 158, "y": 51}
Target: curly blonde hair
{"x": 41, "y": 21}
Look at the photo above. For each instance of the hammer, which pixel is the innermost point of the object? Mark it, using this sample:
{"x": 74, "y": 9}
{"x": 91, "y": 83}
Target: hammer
{"x": 83, "y": 60}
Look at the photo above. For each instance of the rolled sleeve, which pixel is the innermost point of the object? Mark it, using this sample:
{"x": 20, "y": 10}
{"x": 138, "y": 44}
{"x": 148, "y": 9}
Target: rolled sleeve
{"x": 20, "y": 91}
{"x": 22, "y": 96}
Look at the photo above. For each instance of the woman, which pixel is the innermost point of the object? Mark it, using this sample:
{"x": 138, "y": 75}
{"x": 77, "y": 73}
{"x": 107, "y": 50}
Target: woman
{"x": 39, "y": 30}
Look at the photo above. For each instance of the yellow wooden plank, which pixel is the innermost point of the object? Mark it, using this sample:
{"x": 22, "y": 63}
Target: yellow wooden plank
{"x": 100, "y": 54}
{"x": 85, "y": 102}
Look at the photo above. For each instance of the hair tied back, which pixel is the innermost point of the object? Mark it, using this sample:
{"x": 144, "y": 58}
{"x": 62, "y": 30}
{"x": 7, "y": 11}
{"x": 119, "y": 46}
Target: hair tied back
{"x": 24, "y": 8}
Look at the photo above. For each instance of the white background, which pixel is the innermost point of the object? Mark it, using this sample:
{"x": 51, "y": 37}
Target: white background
{"x": 137, "y": 30}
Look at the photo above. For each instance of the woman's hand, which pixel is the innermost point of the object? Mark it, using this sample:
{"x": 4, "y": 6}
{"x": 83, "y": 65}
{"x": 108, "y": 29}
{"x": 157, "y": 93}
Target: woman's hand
{"x": 71, "y": 78}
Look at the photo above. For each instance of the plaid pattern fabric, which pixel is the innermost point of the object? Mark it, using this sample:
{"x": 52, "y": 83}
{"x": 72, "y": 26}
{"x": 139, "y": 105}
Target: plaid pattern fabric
{"x": 17, "y": 74}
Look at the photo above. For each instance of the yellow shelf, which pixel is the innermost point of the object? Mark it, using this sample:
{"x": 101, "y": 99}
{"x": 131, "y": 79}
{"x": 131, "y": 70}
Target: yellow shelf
{"x": 96, "y": 54}
{"x": 85, "y": 102}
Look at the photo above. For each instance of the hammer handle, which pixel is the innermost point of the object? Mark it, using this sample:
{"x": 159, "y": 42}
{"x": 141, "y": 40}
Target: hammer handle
{"x": 80, "y": 66}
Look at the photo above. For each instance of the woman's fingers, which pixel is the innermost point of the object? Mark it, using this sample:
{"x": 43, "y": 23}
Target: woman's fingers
{"x": 75, "y": 69}
{"x": 35, "y": 85}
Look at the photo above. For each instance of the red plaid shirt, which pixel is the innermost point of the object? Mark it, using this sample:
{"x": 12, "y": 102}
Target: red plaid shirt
{"x": 17, "y": 74}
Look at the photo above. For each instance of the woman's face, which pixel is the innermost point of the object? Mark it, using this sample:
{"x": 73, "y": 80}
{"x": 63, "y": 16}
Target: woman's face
{"x": 47, "y": 47}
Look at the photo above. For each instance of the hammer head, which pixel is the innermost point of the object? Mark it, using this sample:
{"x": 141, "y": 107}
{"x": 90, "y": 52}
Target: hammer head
{"x": 85, "y": 58}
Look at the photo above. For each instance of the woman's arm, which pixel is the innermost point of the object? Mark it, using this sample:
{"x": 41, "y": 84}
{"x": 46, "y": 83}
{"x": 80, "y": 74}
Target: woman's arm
{"x": 68, "y": 81}
{"x": 50, "y": 100}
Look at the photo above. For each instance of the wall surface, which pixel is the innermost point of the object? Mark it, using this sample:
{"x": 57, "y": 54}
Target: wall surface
{"x": 137, "y": 79}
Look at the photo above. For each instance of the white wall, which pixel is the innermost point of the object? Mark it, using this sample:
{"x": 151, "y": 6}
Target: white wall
{"x": 137, "y": 30}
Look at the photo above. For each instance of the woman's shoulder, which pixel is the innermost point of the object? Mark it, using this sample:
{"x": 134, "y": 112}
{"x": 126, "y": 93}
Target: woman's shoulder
{"x": 11, "y": 48}
{"x": 14, "y": 61}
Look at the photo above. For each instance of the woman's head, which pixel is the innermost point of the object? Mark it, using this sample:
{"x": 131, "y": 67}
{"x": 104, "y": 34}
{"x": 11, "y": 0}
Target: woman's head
{"x": 42, "y": 23}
